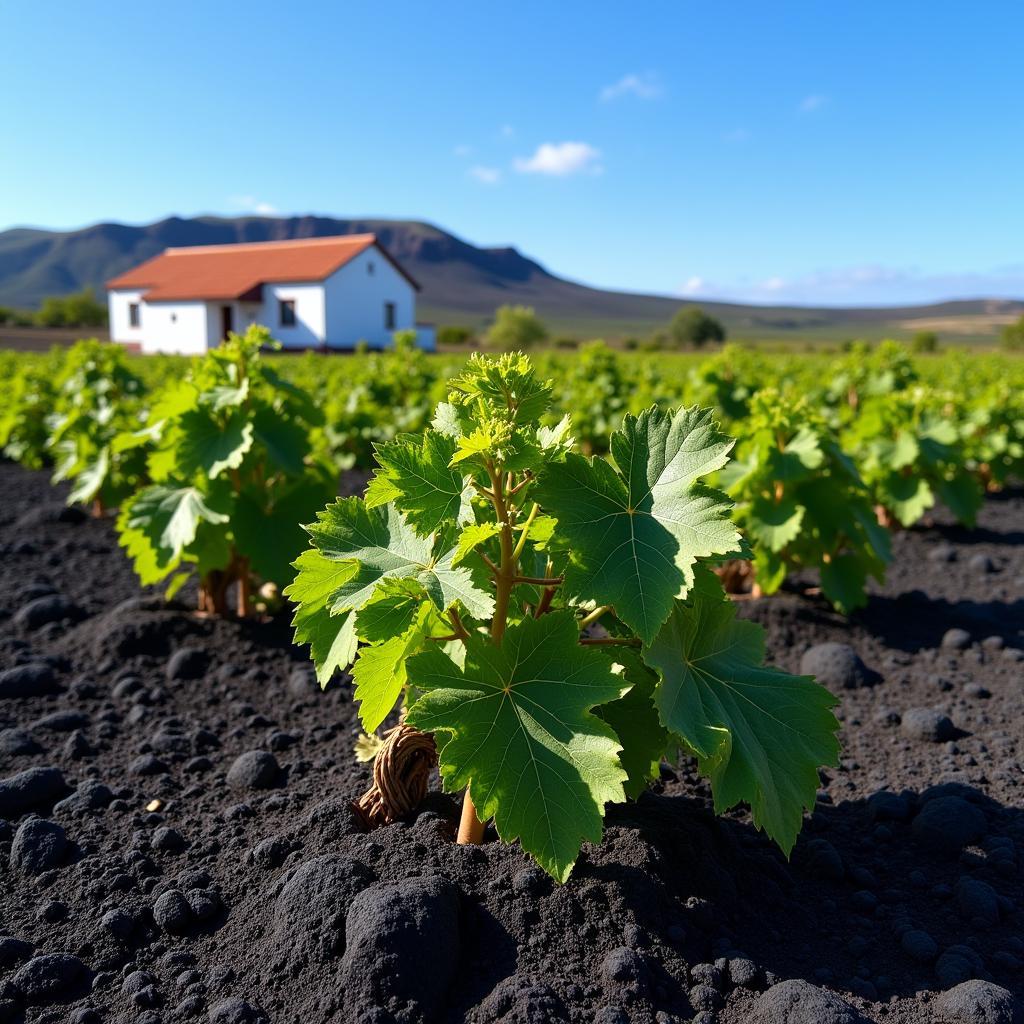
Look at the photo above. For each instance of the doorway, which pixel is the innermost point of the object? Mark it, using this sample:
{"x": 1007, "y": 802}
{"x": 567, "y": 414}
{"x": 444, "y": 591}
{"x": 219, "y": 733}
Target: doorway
{"x": 227, "y": 321}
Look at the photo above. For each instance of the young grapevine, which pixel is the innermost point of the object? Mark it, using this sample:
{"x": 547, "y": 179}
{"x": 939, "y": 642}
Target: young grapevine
{"x": 553, "y": 619}
{"x": 233, "y": 472}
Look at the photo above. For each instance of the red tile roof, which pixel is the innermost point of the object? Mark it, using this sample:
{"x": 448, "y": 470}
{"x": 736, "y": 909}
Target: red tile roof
{"x": 237, "y": 271}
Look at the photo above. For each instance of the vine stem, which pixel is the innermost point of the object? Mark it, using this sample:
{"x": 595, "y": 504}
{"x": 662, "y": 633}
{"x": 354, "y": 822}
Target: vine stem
{"x": 546, "y": 597}
{"x": 244, "y": 588}
{"x": 594, "y": 615}
{"x": 471, "y": 828}
{"x": 526, "y": 530}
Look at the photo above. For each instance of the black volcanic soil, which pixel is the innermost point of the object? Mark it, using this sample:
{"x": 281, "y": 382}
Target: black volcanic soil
{"x": 149, "y": 875}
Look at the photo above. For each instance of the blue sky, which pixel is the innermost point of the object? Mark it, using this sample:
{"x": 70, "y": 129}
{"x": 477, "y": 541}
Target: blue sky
{"x": 834, "y": 153}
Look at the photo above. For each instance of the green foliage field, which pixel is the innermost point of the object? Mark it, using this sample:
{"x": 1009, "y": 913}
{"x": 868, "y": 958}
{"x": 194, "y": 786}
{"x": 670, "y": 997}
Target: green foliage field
{"x": 889, "y": 432}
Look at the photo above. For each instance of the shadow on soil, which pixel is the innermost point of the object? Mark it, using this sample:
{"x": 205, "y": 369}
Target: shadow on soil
{"x": 859, "y": 878}
{"x": 912, "y": 622}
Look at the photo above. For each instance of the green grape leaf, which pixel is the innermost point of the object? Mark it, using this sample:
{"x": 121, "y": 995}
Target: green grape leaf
{"x": 447, "y": 420}
{"x": 225, "y": 396}
{"x": 774, "y": 524}
{"x": 487, "y": 439}
{"x": 381, "y": 490}
{"x": 556, "y": 441}
{"x": 178, "y": 580}
{"x": 267, "y": 524}
{"x": 391, "y": 610}
{"x": 843, "y": 579}
{"x": 429, "y": 492}
{"x": 907, "y": 497}
{"x": 542, "y": 529}
{"x": 150, "y": 564}
{"x": 636, "y": 532}
{"x": 285, "y": 441}
{"x": 801, "y": 454}
{"x": 901, "y": 452}
{"x": 515, "y": 725}
{"x": 299, "y": 401}
{"x": 331, "y": 638}
{"x": 170, "y": 516}
{"x": 210, "y": 550}
{"x": 380, "y": 671}
{"x": 472, "y": 537}
{"x": 384, "y": 545}
{"x": 445, "y": 583}
{"x": 128, "y": 440}
{"x": 160, "y": 464}
{"x": 940, "y": 433}
{"x": 961, "y": 494}
{"x": 759, "y": 734}
{"x": 211, "y": 446}
{"x": 90, "y": 480}
{"x": 770, "y": 571}
{"x": 635, "y": 721}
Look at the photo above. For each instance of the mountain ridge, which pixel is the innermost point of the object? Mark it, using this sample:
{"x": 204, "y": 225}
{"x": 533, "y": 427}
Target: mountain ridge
{"x": 462, "y": 283}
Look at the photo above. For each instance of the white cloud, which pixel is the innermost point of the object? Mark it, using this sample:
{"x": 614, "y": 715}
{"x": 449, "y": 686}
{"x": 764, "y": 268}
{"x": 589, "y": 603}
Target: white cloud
{"x": 506, "y": 131}
{"x": 643, "y": 86}
{"x": 485, "y": 175}
{"x": 560, "y": 159}
{"x": 462, "y": 151}
{"x": 868, "y": 285}
{"x": 250, "y": 204}
{"x": 809, "y": 104}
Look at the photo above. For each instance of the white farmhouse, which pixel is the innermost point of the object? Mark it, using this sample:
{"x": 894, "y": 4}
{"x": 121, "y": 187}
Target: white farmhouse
{"x": 322, "y": 293}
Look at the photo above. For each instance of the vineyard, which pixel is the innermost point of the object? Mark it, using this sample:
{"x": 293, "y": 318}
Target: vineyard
{"x": 593, "y": 685}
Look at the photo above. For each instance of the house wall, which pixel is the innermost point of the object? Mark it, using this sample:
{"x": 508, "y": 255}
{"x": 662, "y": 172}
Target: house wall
{"x": 163, "y": 326}
{"x": 355, "y": 300}
{"x": 310, "y": 328}
{"x": 179, "y": 327}
{"x": 117, "y": 309}
{"x": 242, "y": 315}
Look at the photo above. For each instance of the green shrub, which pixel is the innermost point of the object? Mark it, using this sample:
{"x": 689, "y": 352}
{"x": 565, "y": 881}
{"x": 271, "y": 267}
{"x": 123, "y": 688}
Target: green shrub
{"x": 516, "y": 327}
{"x": 691, "y": 327}
{"x": 1012, "y": 336}
{"x": 925, "y": 341}
{"x": 78, "y": 310}
{"x": 453, "y": 334}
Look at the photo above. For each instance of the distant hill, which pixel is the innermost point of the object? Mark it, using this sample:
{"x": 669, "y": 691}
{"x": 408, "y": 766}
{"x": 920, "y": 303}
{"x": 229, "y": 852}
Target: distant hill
{"x": 462, "y": 283}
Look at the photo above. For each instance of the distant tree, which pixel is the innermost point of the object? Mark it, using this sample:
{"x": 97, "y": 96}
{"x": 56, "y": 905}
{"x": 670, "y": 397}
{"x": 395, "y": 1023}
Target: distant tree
{"x": 1013, "y": 336}
{"x": 691, "y": 327}
{"x": 925, "y": 341}
{"x": 78, "y": 310}
{"x": 453, "y": 334}
{"x": 516, "y": 327}
{"x": 16, "y": 317}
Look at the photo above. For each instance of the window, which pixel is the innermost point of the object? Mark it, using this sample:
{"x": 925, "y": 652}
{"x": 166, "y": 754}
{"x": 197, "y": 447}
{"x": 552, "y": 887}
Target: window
{"x": 389, "y": 316}
{"x": 370, "y": 268}
{"x": 286, "y": 309}
{"x": 133, "y": 314}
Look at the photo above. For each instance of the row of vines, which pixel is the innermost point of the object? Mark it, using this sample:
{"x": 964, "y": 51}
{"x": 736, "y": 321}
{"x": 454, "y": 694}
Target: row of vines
{"x": 832, "y": 453}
